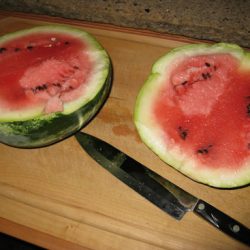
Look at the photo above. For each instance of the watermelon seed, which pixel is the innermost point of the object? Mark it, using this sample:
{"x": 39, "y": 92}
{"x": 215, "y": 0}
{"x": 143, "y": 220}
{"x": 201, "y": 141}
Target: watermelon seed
{"x": 177, "y": 87}
{"x": 205, "y": 76}
{"x": 29, "y": 47}
{"x": 207, "y": 64}
{"x": 40, "y": 88}
{"x": 2, "y": 50}
{"x": 183, "y": 133}
{"x": 57, "y": 85}
{"x": 204, "y": 150}
{"x": 248, "y": 109}
{"x": 17, "y": 49}
{"x": 66, "y": 43}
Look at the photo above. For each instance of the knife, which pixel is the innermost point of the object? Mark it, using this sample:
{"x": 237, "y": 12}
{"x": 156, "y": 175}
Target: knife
{"x": 158, "y": 190}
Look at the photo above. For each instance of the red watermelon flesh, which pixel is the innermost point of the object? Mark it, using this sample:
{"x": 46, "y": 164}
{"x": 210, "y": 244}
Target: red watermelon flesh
{"x": 206, "y": 104}
{"x": 43, "y": 69}
{"x": 194, "y": 112}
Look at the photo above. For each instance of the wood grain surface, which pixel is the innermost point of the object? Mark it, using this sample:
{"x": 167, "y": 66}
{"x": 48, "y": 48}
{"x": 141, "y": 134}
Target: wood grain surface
{"x": 69, "y": 202}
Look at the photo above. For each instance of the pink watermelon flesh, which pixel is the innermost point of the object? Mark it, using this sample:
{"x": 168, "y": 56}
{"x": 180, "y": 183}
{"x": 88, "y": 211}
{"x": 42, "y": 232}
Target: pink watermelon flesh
{"x": 43, "y": 69}
{"x": 206, "y": 110}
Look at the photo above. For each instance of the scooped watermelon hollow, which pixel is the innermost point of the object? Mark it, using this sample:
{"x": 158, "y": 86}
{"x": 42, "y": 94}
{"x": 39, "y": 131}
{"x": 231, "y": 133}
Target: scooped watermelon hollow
{"x": 53, "y": 81}
{"x": 194, "y": 112}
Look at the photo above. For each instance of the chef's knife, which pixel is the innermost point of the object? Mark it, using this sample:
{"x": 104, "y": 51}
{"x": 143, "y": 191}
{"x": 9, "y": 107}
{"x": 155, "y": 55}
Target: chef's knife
{"x": 158, "y": 190}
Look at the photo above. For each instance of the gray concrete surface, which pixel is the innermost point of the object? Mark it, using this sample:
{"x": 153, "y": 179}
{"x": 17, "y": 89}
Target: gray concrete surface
{"x": 215, "y": 20}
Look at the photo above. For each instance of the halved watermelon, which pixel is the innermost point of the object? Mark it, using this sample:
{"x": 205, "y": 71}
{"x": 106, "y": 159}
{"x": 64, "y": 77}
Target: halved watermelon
{"x": 194, "y": 112}
{"x": 53, "y": 81}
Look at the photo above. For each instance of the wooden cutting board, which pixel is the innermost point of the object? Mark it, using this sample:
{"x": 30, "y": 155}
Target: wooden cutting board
{"x": 58, "y": 197}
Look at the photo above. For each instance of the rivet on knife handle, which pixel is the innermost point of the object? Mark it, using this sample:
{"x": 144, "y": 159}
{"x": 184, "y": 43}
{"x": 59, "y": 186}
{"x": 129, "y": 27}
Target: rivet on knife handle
{"x": 222, "y": 221}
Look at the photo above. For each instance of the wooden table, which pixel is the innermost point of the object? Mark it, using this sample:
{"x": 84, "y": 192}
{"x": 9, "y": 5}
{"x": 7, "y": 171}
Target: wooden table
{"x": 59, "y": 198}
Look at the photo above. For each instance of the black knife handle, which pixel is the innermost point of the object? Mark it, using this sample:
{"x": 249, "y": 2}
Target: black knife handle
{"x": 222, "y": 221}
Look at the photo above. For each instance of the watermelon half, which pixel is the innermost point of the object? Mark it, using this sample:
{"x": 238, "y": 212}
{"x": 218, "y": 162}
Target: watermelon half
{"x": 53, "y": 81}
{"x": 194, "y": 112}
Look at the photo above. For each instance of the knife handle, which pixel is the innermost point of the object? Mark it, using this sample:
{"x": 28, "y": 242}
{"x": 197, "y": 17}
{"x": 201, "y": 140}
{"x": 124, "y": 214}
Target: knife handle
{"x": 222, "y": 221}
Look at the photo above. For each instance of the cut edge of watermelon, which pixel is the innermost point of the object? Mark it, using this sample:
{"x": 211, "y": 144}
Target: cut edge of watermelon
{"x": 100, "y": 72}
{"x": 153, "y": 136}
{"x": 187, "y": 51}
{"x": 220, "y": 178}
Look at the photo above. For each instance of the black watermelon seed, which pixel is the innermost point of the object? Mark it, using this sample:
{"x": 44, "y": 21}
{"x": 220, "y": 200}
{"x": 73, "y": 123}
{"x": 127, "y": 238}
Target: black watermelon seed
{"x": 248, "y": 109}
{"x": 66, "y": 43}
{"x": 2, "y": 50}
{"x": 205, "y": 76}
{"x": 40, "y": 88}
{"x": 204, "y": 150}
{"x": 183, "y": 133}
{"x": 57, "y": 85}
{"x": 30, "y": 47}
{"x": 17, "y": 49}
{"x": 179, "y": 85}
{"x": 207, "y": 64}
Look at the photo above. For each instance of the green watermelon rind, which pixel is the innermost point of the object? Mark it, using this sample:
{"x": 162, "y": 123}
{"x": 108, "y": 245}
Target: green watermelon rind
{"x": 152, "y": 135}
{"x": 32, "y": 128}
{"x": 49, "y": 129}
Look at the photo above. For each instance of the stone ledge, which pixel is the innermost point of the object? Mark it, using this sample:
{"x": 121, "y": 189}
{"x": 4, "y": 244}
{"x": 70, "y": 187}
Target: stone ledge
{"x": 218, "y": 20}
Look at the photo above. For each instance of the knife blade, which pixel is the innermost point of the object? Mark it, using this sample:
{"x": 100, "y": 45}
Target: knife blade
{"x": 161, "y": 192}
